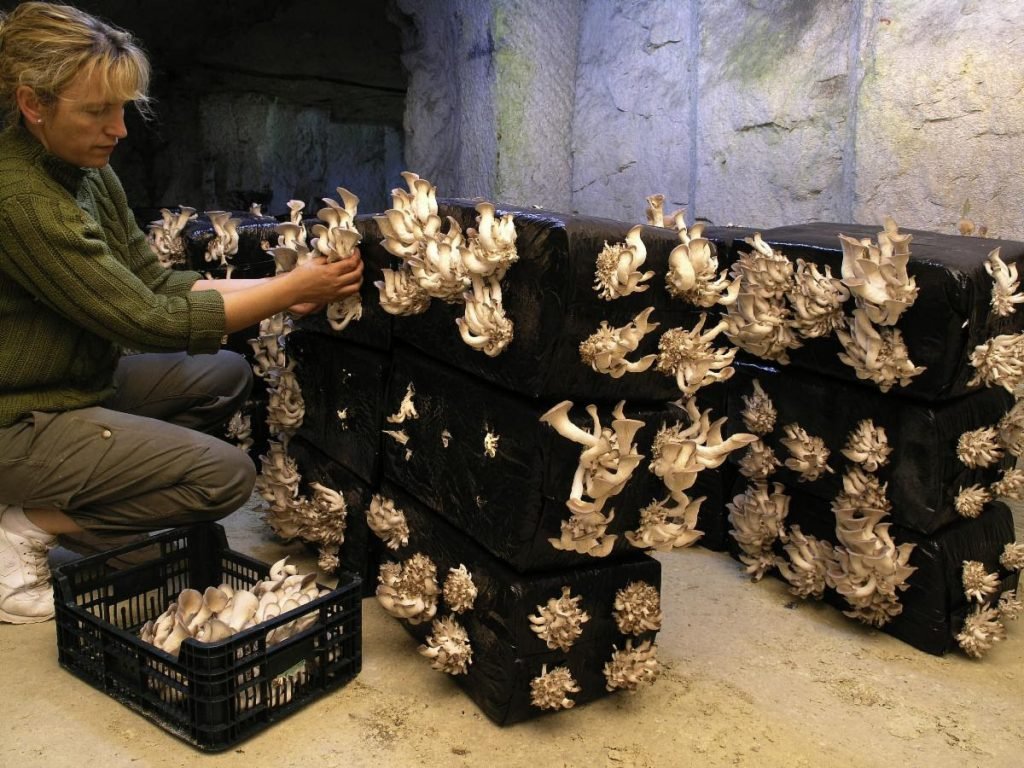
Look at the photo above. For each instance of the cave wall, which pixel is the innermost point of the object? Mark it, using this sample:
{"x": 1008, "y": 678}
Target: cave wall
{"x": 752, "y": 112}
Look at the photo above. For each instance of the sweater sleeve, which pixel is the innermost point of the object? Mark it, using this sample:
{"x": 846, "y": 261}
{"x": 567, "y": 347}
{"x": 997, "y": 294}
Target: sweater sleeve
{"x": 59, "y": 255}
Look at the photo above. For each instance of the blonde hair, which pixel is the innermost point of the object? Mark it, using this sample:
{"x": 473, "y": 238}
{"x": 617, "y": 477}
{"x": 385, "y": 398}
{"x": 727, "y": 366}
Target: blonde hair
{"x": 46, "y": 46}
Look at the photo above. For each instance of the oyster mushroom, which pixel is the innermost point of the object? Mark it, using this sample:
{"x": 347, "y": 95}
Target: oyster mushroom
{"x": 978, "y": 584}
{"x": 550, "y": 690}
{"x": 1012, "y": 557}
{"x": 982, "y": 629}
{"x": 877, "y": 355}
{"x": 1010, "y": 485}
{"x": 1011, "y": 429}
{"x": 400, "y": 294}
{"x": 817, "y": 300}
{"x": 806, "y": 564}
{"x": 224, "y": 243}
{"x": 560, "y": 622}
{"x": 979, "y": 447}
{"x": 491, "y": 248}
{"x": 970, "y": 501}
{"x": 165, "y": 235}
{"x": 409, "y": 590}
{"x": 808, "y": 454}
{"x": 239, "y": 430}
{"x": 1004, "y": 284}
{"x": 459, "y": 590}
{"x": 1009, "y": 606}
{"x": 868, "y": 446}
{"x": 663, "y": 528}
{"x": 656, "y": 210}
{"x": 632, "y": 666}
{"x": 759, "y": 461}
{"x": 387, "y": 522}
{"x": 762, "y": 326}
{"x": 605, "y": 350}
{"x": 759, "y": 412}
{"x": 757, "y": 517}
{"x": 484, "y": 326}
{"x": 407, "y": 408}
{"x": 763, "y": 272}
{"x": 999, "y": 362}
{"x": 690, "y": 358}
{"x": 876, "y": 275}
{"x": 637, "y": 608}
{"x": 693, "y": 269}
{"x": 617, "y": 269}
{"x": 448, "y": 647}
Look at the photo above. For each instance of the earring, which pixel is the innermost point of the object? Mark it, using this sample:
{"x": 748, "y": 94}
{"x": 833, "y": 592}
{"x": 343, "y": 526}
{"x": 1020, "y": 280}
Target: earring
{"x": 39, "y": 120}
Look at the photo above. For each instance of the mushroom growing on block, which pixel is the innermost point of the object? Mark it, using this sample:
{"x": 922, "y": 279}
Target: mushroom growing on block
{"x": 693, "y": 274}
{"x": 877, "y": 274}
{"x": 485, "y": 326}
{"x": 387, "y": 522}
{"x": 336, "y": 239}
{"x": 757, "y": 516}
{"x": 970, "y": 501}
{"x": 459, "y": 590}
{"x": 759, "y": 413}
{"x": 409, "y": 590}
{"x": 550, "y": 690}
{"x": 448, "y": 647}
{"x": 817, "y": 301}
{"x": 560, "y": 622}
{"x": 999, "y": 362}
{"x": 1004, "y": 284}
{"x": 808, "y": 455}
{"x": 224, "y": 243}
{"x": 632, "y": 666}
{"x": 618, "y": 267}
{"x": 868, "y": 446}
{"x": 637, "y": 608}
{"x": 806, "y": 564}
{"x": 979, "y": 447}
{"x": 605, "y": 350}
{"x": 690, "y": 358}
{"x": 165, "y": 235}
{"x": 876, "y": 354}
{"x": 979, "y": 585}
{"x": 982, "y": 629}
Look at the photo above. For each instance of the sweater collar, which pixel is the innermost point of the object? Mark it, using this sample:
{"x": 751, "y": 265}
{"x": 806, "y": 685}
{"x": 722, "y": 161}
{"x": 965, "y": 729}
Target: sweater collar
{"x": 64, "y": 173}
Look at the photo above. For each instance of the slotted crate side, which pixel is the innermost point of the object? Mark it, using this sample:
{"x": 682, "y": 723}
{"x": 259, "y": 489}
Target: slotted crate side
{"x": 212, "y": 695}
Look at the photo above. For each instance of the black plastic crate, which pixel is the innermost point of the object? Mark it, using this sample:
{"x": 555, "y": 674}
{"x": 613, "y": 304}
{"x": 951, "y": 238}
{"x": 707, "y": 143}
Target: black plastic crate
{"x": 213, "y": 695}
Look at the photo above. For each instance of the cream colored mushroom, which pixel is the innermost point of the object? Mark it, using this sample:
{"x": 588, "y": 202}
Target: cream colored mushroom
{"x": 817, "y": 300}
{"x": 550, "y": 690}
{"x": 690, "y": 358}
{"x": 693, "y": 268}
{"x": 970, "y": 501}
{"x": 400, "y": 294}
{"x": 491, "y": 249}
{"x": 387, "y": 522}
{"x": 1012, "y": 557}
{"x": 979, "y": 585}
{"x": 979, "y": 447}
{"x": 448, "y": 647}
{"x": 663, "y": 528}
{"x": 637, "y": 608}
{"x": 761, "y": 326}
{"x": 806, "y": 564}
{"x": 605, "y": 350}
{"x": 759, "y": 461}
{"x": 1011, "y": 429}
{"x": 224, "y": 242}
{"x": 559, "y": 623}
{"x": 808, "y": 454}
{"x": 407, "y": 408}
{"x": 165, "y": 235}
{"x": 459, "y": 590}
{"x": 632, "y": 666}
{"x": 409, "y": 590}
{"x": 757, "y": 516}
{"x": 239, "y": 430}
{"x": 618, "y": 266}
{"x": 999, "y": 362}
{"x": 868, "y": 446}
{"x": 656, "y": 210}
{"x": 1010, "y": 485}
{"x": 982, "y": 629}
{"x": 1004, "y": 284}
{"x": 484, "y": 325}
{"x": 877, "y": 355}
{"x": 759, "y": 413}
{"x": 1010, "y": 606}
{"x": 877, "y": 274}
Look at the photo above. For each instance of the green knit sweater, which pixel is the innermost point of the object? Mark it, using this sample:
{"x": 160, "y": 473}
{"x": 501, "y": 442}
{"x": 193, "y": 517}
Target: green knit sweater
{"x": 79, "y": 282}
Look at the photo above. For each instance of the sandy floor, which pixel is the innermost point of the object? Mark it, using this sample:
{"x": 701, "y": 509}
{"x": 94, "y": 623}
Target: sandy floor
{"x": 750, "y": 679}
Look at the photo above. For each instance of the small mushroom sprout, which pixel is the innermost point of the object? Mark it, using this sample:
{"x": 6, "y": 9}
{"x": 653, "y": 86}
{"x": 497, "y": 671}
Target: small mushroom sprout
{"x": 999, "y": 362}
{"x": 551, "y": 690}
{"x": 759, "y": 413}
{"x": 1005, "y": 284}
{"x": 817, "y": 301}
{"x": 981, "y": 631}
{"x": 970, "y": 501}
{"x": 806, "y": 564}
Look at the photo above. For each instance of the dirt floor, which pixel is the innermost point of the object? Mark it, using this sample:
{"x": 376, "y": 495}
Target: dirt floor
{"x": 751, "y": 678}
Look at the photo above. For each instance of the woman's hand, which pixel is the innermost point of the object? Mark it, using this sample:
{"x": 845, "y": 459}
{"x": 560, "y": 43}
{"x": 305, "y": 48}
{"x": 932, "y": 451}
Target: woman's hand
{"x": 317, "y": 282}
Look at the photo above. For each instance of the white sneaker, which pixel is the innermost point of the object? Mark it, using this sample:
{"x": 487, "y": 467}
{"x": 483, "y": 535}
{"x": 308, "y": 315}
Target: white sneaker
{"x": 26, "y": 595}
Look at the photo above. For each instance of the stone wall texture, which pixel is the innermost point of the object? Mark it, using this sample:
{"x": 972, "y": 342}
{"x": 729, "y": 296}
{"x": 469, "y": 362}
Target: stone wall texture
{"x": 751, "y": 112}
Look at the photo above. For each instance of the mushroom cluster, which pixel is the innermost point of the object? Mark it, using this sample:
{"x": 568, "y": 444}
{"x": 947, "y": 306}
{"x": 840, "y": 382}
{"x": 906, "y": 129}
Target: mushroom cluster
{"x": 219, "y": 612}
{"x": 759, "y": 412}
{"x": 632, "y": 666}
{"x": 688, "y": 356}
{"x": 450, "y": 265}
{"x": 876, "y": 354}
{"x": 448, "y": 648}
{"x": 559, "y": 623}
{"x": 550, "y": 690}
{"x": 224, "y": 242}
{"x": 459, "y": 590}
{"x": 868, "y": 446}
{"x": 985, "y": 625}
{"x": 637, "y": 608}
{"x": 876, "y": 274}
{"x": 606, "y": 463}
{"x": 335, "y": 239}
{"x": 999, "y": 362}
{"x": 757, "y": 516}
{"x": 605, "y": 350}
{"x": 387, "y": 522}
{"x": 1004, "y": 284}
{"x": 408, "y": 590}
{"x": 165, "y": 238}
{"x": 693, "y": 274}
{"x": 816, "y": 299}
{"x": 806, "y": 563}
{"x": 617, "y": 271}
{"x": 808, "y": 454}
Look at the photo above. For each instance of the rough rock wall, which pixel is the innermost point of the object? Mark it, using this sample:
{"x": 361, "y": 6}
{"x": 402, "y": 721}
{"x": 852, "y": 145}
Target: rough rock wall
{"x": 752, "y": 112}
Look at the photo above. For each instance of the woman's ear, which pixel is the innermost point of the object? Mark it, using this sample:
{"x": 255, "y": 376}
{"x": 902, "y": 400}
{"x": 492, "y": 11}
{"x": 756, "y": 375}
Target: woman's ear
{"x": 29, "y": 104}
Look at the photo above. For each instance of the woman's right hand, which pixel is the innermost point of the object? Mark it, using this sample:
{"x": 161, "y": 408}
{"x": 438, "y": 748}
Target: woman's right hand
{"x": 316, "y": 282}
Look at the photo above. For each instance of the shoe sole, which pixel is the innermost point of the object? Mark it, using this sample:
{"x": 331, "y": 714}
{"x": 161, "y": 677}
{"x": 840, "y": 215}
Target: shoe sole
{"x": 13, "y": 618}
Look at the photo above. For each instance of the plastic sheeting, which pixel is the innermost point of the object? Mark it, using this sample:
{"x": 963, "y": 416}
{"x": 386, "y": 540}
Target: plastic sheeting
{"x": 949, "y": 318}
{"x": 923, "y": 473}
{"x": 507, "y": 654}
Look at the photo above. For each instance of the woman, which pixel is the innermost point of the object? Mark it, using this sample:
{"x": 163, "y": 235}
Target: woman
{"x": 91, "y": 440}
